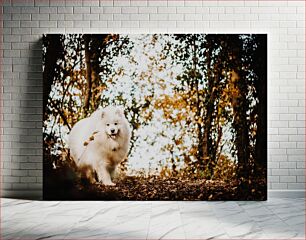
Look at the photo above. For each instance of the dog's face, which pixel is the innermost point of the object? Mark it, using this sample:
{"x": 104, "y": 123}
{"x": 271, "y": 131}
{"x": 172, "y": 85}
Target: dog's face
{"x": 112, "y": 118}
{"x": 112, "y": 128}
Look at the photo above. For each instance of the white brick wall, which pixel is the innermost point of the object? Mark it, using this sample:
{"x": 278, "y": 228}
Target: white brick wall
{"x": 24, "y": 22}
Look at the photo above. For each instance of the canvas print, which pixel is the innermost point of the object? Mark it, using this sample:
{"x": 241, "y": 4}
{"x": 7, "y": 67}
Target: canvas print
{"x": 155, "y": 117}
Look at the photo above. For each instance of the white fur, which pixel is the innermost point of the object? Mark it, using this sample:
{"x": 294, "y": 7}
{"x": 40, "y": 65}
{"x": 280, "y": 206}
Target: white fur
{"x": 110, "y": 145}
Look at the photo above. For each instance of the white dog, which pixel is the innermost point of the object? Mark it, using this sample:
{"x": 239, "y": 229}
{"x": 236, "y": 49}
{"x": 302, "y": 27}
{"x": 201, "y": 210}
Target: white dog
{"x": 101, "y": 142}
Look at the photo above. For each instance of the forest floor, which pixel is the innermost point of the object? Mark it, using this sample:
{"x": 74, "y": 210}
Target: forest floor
{"x": 71, "y": 187}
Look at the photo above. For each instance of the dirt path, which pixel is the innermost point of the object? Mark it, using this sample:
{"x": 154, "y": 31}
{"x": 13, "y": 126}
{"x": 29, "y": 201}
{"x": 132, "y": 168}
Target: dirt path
{"x": 64, "y": 184}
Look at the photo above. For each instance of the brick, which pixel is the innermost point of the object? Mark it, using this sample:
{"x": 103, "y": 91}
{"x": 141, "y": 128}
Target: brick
{"x": 296, "y": 154}
{"x": 129, "y": 10}
{"x": 185, "y": 24}
{"x": 6, "y": 172}
{"x": 57, "y": 17}
{"x": 287, "y": 9}
{"x": 297, "y": 124}
{"x": 19, "y": 173}
{"x": 273, "y": 145}
{"x": 8, "y": 9}
{"x": 98, "y": 24}
{"x": 11, "y": 53}
{"x": 73, "y": 3}
{"x": 30, "y": 24}
{"x": 130, "y": 24}
{"x": 279, "y": 124}
{"x": 106, "y": 3}
{"x": 7, "y": 31}
{"x": 21, "y": 31}
{"x": 159, "y": 17}
{"x": 105, "y": 17}
{"x": 296, "y": 172}
{"x": 40, "y": 16}
{"x": 122, "y": 3}
{"x": 166, "y": 10}
{"x": 91, "y": 3}
{"x": 221, "y": 24}
{"x": 261, "y": 10}
{"x": 300, "y": 179}
{"x": 287, "y": 165}
{"x": 112, "y": 10}
{"x": 287, "y": 179}
{"x": 11, "y": 179}
{"x": 286, "y": 131}
{"x": 81, "y": 10}
{"x": 157, "y": 3}
{"x": 57, "y": 3}
{"x": 65, "y": 10}
{"x": 280, "y": 172}
{"x": 197, "y": 17}
{"x": 167, "y": 24}
{"x": 21, "y": 17}
{"x": 300, "y": 165}
{"x": 138, "y": 3}
{"x": 288, "y": 116}
{"x": 148, "y": 24}
{"x": 81, "y": 24}
{"x": 217, "y": 10}
{"x": 28, "y": 179}
{"x": 11, "y": 24}
{"x": 41, "y": 3}
{"x": 273, "y": 165}
{"x": 277, "y": 186}
{"x": 48, "y": 24}
{"x": 296, "y": 186}
{"x": 36, "y": 173}
{"x": 121, "y": 17}
{"x": 64, "y": 24}
{"x": 176, "y": 17}
{"x": 73, "y": 16}
{"x": 300, "y": 144}
{"x": 96, "y": 9}
{"x": 49, "y": 10}
{"x": 229, "y": 17}
{"x": 36, "y": 186}
{"x": 139, "y": 17}
{"x": 147, "y": 9}
{"x": 186, "y": 9}
{"x": 202, "y": 10}
{"x": 273, "y": 179}
{"x": 29, "y": 10}
{"x": 19, "y": 186}
{"x": 297, "y": 138}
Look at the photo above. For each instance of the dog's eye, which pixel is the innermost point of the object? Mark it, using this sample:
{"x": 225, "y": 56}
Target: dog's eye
{"x": 107, "y": 124}
{"x": 116, "y": 123}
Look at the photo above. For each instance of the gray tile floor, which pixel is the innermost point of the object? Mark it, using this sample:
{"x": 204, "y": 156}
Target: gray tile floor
{"x": 274, "y": 219}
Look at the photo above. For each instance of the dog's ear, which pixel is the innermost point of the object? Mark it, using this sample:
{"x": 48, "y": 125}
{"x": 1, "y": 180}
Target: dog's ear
{"x": 120, "y": 111}
{"x": 102, "y": 114}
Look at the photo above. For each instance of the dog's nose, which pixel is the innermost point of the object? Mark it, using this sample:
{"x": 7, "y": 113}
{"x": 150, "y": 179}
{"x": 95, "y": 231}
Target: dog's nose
{"x": 112, "y": 130}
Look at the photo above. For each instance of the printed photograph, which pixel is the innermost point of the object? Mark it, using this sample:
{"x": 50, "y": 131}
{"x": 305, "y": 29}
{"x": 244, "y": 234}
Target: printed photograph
{"x": 155, "y": 117}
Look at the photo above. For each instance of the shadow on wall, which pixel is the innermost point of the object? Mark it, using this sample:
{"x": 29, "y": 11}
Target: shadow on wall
{"x": 29, "y": 156}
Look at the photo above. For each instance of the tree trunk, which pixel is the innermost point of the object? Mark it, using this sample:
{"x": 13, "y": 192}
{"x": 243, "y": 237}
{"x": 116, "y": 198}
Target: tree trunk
{"x": 88, "y": 74}
{"x": 207, "y": 146}
{"x": 93, "y": 51}
{"x": 261, "y": 89}
{"x": 240, "y": 107}
{"x": 54, "y": 51}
